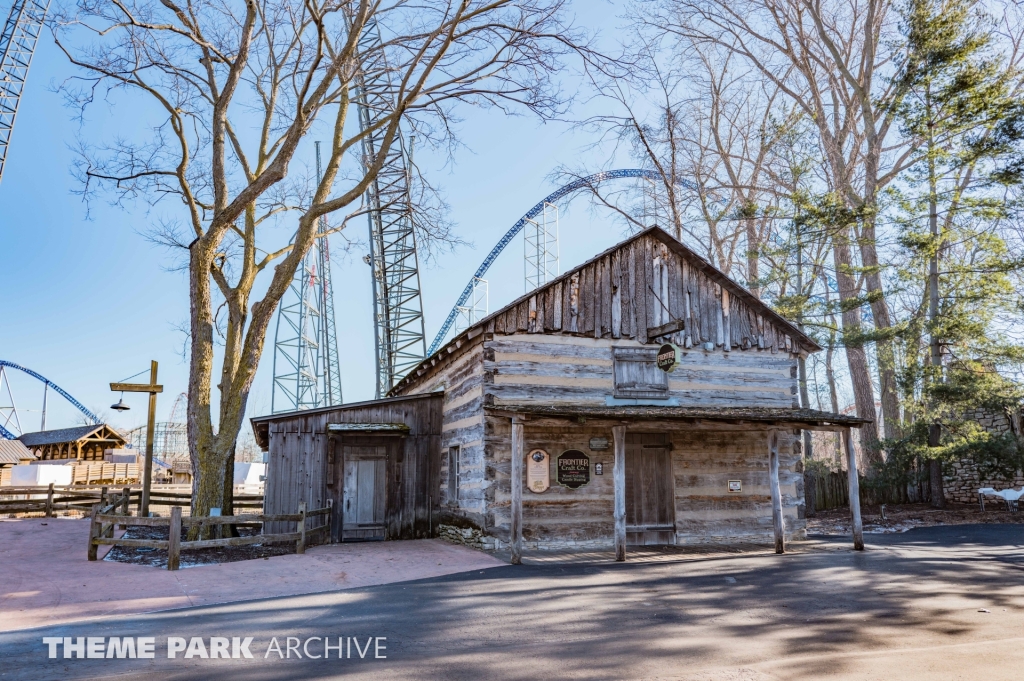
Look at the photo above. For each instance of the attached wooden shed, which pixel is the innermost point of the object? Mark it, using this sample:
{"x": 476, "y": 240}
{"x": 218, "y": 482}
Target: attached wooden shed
{"x": 377, "y": 462}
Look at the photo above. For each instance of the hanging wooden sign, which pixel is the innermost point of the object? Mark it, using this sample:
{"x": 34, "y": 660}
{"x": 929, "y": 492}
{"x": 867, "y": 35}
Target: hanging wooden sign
{"x": 538, "y": 471}
{"x": 572, "y": 469}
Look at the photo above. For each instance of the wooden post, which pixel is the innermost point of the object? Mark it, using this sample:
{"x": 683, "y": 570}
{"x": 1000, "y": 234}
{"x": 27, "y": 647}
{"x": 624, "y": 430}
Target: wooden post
{"x": 851, "y": 473}
{"x": 516, "y": 481}
{"x": 103, "y": 496}
{"x": 174, "y": 539}
{"x": 300, "y": 545}
{"x": 49, "y": 501}
{"x": 125, "y": 496}
{"x": 773, "y": 484}
{"x": 619, "y": 478}
{"x": 94, "y": 532}
{"x": 330, "y": 516}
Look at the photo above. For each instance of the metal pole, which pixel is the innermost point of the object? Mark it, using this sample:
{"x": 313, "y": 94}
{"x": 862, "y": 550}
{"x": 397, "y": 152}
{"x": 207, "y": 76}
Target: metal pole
{"x": 42, "y": 426}
{"x": 147, "y": 474}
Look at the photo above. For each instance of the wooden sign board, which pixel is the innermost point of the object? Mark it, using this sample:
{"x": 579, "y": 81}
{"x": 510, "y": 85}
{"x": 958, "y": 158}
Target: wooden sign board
{"x": 598, "y": 444}
{"x": 572, "y": 469}
{"x": 538, "y": 471}
{"x": 668, "y": 357}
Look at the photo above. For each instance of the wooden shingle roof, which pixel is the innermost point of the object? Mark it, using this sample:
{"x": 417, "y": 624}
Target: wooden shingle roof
{"x": 49, "y": 437}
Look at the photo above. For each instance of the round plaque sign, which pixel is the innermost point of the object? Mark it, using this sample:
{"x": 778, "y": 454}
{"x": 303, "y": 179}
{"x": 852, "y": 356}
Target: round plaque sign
{"x": 572, "y": 469}
{"x": 668, "y": 357}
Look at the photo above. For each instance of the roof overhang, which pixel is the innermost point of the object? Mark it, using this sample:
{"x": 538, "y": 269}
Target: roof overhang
{"x": 754, "y": 418}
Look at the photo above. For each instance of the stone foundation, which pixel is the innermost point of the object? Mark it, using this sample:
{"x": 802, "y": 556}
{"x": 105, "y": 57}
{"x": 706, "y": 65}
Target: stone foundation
{"x": 469, "y": 536}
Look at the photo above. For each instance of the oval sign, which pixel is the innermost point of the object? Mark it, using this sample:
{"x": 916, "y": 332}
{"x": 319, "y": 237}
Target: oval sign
{"x": 538, "y": 472}
{"x": 572, "y": 469}
{"x": 668, "y": 357}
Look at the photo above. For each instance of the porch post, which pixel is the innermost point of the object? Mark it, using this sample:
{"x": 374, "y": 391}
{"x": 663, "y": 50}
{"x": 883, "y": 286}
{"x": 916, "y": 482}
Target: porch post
{"x": 773, "y": 484}
{"x": 516, "y": 522}
{"x": 619, "y": 475}
{"x": 854, "y": 481}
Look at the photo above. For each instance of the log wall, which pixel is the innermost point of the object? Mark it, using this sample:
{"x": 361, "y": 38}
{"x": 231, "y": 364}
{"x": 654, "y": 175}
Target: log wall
{"x": 703, "y": 462}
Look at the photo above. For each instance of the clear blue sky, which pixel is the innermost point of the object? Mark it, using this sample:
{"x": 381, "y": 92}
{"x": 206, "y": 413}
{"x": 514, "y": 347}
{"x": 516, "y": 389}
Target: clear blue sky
{"x": 89, "y": 301}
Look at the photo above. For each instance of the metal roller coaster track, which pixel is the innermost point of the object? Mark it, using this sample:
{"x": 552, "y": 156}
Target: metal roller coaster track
{"x": 5, "y": 433}
{"x": 560, "y": 193}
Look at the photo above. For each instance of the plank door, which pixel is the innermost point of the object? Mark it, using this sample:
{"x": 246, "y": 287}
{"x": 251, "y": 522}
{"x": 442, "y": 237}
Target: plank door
{"x": 363, "y": 492}
{"x": 650, "y": 490}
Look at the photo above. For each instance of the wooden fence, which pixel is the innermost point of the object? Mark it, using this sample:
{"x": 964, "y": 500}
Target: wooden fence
{"x": 823, "y": 491}
{"x": 49, "y": 499}
{"x": 104, "y": 522}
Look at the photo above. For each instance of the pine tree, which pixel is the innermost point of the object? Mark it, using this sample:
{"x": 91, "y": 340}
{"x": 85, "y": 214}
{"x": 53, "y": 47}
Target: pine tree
{"x": 959, "y": 103}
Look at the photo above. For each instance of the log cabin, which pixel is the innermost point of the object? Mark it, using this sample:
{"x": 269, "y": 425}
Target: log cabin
{"x": 641, "y": 398}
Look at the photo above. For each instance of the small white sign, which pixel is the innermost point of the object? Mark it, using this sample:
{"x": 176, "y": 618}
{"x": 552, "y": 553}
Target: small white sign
{"x": 735, "y": 485}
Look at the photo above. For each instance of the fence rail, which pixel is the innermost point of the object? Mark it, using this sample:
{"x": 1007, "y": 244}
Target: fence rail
{"x": 51, "y": 498}
{"x": 104, "y": 523}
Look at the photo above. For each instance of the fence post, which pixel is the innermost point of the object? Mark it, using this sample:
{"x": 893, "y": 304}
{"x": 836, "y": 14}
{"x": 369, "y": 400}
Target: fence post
{"x": 125, "y": 495}
{"x": 103, "y": 496}
{"x": 139, "y": 511}
{"x": 330, "y": 521}
{"x": 300, "y": 546}
{"x": 49, "y": 501}
{"x": 174, "y": 539}
{"x": 93, "y": 532}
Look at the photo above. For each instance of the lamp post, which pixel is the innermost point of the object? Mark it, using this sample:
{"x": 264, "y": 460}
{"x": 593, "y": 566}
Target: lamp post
{"x": 152, "y": 388}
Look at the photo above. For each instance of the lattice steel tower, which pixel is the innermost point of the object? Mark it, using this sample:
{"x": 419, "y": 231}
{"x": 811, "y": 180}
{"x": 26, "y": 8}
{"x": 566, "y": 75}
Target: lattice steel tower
{"x": 540, "y": 248}
{"x": 306, "y": 366}
{"x": 17, "y": 44}
{"x": 398, "y": 311}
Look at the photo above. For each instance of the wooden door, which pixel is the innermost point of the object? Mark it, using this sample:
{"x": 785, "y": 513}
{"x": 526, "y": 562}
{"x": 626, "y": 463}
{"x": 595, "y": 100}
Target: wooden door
{"x": 363, "y": 492}
{"x": 650, "y": 490}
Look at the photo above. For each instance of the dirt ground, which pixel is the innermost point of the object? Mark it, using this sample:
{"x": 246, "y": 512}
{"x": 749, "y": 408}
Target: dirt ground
{"x": 903, "y": 517}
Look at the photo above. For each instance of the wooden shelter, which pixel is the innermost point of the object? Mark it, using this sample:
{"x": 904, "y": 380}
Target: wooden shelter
{"x": 85, "y": 443}
{"x": 557, "y": 428}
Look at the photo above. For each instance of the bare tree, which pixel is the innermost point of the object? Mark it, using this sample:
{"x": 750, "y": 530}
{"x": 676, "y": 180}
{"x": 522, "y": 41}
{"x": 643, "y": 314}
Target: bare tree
{"x": 831, "y": 60}
{"x": 229, "y": 90}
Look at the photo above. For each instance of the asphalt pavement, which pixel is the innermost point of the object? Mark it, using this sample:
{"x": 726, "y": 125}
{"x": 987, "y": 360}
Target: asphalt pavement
{"x": 933, "y": 603}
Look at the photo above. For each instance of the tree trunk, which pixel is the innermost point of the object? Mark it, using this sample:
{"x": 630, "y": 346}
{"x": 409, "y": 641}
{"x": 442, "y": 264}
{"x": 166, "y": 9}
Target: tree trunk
{"x": 860, "y": 375}
{"x": 935, "y": 476}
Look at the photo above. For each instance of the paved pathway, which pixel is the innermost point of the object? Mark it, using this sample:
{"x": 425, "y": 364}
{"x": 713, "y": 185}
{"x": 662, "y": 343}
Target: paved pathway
{"x": 46, "y": 579}
{"x": 938, "y": 604}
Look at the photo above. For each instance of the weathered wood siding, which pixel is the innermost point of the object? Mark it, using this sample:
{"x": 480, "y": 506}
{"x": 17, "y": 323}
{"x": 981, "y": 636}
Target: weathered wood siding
{"x": 460, "y": 375}
{"x": 641, "y": 285}
{"x": 703, "y": 462}
{"x": 297, "y": 461}
{"x": 529, "y": 369}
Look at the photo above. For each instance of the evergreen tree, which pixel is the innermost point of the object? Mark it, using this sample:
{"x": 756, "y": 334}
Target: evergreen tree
{"x": 959, "y": 102}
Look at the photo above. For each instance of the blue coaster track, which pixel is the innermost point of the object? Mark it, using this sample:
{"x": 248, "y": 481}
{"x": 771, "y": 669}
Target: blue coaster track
{"x": 561, "y": 192}
{"x": 49, "y": 384}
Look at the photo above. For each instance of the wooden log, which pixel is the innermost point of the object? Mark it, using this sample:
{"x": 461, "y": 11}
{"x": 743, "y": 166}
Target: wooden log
{"x": 174, "y": 539}
{"x": 300, "y": 545}
{"x": 288, "y": 537}
{"x": 126, "y": 495}
{"x": 773, "y": 483}
{"x": 140, "y": 543}
{"x": 619, "y": 480}
{"x": 94, "y": 532}
{"x": 854, "y": 484}
{"x": 516, "y": 523}
{"x": 49, "y": 501}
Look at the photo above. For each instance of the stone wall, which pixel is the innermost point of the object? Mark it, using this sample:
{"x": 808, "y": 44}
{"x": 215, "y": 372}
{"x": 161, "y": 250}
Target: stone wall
{"x": 962, "y": 481}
